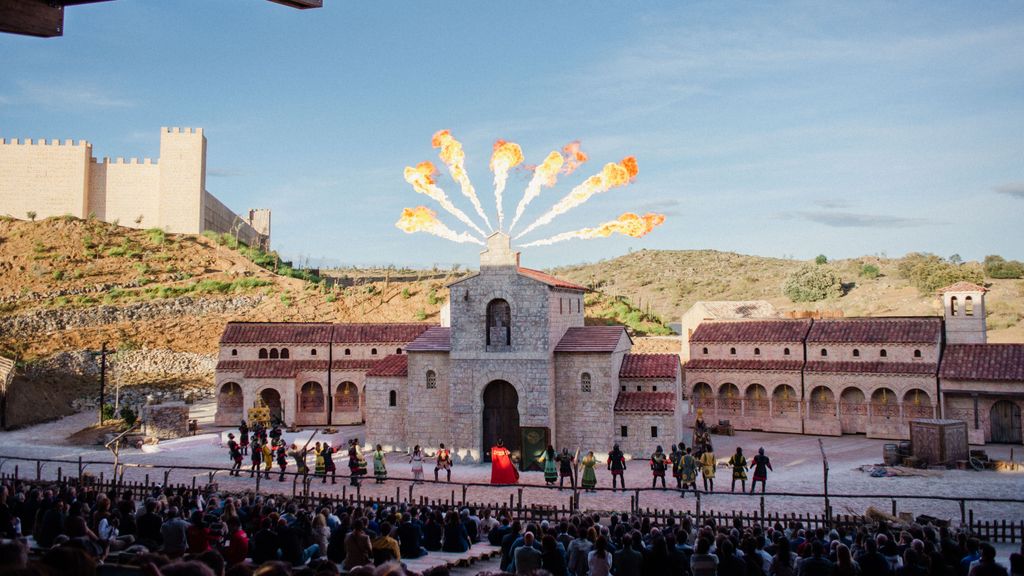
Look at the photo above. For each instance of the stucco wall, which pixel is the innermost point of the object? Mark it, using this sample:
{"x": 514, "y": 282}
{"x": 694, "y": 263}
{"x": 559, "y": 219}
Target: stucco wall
{"x": 48, "y": 179}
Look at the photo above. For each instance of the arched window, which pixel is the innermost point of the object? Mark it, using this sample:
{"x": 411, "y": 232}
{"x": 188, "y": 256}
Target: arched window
{"x": 917, "y": 353}
{"x": 284, "y": 353}
{"x": 732, "y": 351}
{"x": 585, "y": 382}
{"x": 392, "y": 398}
{"x": 968, "y": 306}
{"x": 398, "y": 351}
{"x": 311, "y": 397}
{"x": 882, "y": 353}
{"x": 263, "y": 353}
{"x": 499, "y": 323}
{"x": 348, "y": 351}
{"x": 273, "y": 354}
{"x": 824, "y": 352}
{"x": 431, "y": 379}
{"x": 234, "y": 352}
{"x": 953, "y": 305}
{"x": 856, "y": 353}
{"x": 705, "y": 350}
{"x": 312, "y": 352}
{"x": 757, "y": 351}
{"x": 373, "y": 351}
{"x": 785, "y": 351}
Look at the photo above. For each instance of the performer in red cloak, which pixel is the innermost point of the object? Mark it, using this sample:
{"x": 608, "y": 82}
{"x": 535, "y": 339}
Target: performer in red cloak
{"x": 502, "y": 469}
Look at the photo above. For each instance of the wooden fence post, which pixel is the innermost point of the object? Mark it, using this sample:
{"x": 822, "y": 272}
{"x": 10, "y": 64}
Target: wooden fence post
{"x": 698, "y": 493}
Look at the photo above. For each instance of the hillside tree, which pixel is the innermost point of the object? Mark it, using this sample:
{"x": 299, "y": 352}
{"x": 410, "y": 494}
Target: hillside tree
{"x": 811, "y": 283}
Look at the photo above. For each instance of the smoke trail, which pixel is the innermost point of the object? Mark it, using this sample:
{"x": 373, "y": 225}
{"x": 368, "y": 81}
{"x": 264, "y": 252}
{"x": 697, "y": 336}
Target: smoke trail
{"x": 455, "y": 158}
{"x": 423, "y": 219}
{"x": 546, "y": 174}
{"x": 574, "y": 157}
{"x": 611, "y": 175}
{"x": 422, "y": 179}
{"x": 629, "y": 224}
{"x": 507, "y": 155}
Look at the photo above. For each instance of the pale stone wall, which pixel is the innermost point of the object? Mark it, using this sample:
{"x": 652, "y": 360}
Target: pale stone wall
{"x": 873, "y": 352}
{"x": 49, "y": 179}
{"x": 583, "y": 417}
{"x": 124, "y": 191}
{"x": 182, "y": 179}
{"x": 961, "y": 327}
{"x": 529, "y": 304}
{"x": 221, "y": 219}
{"x": 165, "y": 421}
{"x": 566, "y": 311}
{"x": 387, "y": 426}
{"x": 428, "y": 422}
{"x": 959, "y": 404}
{"x": 639, "y": 443}
{"x": 748, "y": 351}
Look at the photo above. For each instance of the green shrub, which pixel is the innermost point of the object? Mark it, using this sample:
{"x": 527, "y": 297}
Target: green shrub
{"x": 157, "y": 236}
{"x": 869, "y": 271}
{"x": 31, "y": 215}
{"x": 811, "y": 283}
{"x": 433, "y": 298}
{"x": 999, "y": 267}
{"x": 406, "y": 294}
{"x": 141, "y": 267}
{"x": 107, "y": 412}
{"x": 128, "y": 415}
{"x": 84, "y": 300}
{"x": 58, "y": 275}
{"x": 331, "y": 297}
{"x": 928, "y": 272}
{"x": 61, "y": 301}
{"x": 117, "y": 251}
{"x": 421, "y": 315}
{"x": 821, "y": 259}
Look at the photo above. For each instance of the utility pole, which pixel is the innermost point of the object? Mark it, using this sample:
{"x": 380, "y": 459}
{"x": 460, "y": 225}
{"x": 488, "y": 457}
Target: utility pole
{"x": 103, "y": 378}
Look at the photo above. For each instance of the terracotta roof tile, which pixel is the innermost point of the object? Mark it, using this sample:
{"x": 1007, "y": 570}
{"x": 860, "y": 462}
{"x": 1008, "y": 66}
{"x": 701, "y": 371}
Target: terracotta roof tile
{"x": 590, "y": 339}
{"x": 271, "y": 368}
{"x": 846, "y": 367}
{"x": 549, "y": 279}
{"x": 752, "y": 331}
{"x": 877, "y": 330}
{"x": 276, "y": 332}
{"x": 359, "y": 364}
{"x": 996, "y": 362}
{"x": 963, "y": 287}
{"x": 369, "y": 333}
{"x": 434, "y": 339}
{"x": 744, "y": 365}
{"x": 664, "y": 402}
{"x": 649, "y": 366}
{"x": 393, "y": 365}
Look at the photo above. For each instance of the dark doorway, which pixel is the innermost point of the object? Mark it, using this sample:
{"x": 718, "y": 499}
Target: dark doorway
{"x": 272, "y": 398}
{"x": 1006, "y": 425}
{"x": 501, "y": 418}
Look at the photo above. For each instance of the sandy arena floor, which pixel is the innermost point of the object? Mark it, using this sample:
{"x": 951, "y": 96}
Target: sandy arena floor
{"x": 796, "y": 459}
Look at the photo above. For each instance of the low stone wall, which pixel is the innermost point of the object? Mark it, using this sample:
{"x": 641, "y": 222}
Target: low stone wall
{"x": 165, "y": 421}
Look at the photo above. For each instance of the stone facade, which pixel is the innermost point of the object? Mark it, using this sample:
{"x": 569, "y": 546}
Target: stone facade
{"x": 58, "y": 178}
{"x": 165, "y": 421}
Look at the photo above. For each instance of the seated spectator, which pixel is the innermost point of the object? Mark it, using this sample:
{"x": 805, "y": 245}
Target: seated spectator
{"x": 385, "y": 548}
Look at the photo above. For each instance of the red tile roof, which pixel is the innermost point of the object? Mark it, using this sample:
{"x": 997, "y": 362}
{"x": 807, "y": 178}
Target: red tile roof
{"x": 276, "y": 333}
{"x": 549, "y": 279}
{"x": 353, "y": 364}
{"x": 434, "y": 339}
{"x": 590, "y": 339}
{"x": 271, "y": 368}
{"x": 649, "y": 366}
{"x": 744, "y": 365}
{"x": 963, "y": 287}
{"x": 845, "y": 367}
{"x": 877, "y": 330}
{"x": 664, "y": 402}
{"x": 996, "y": 362}
{"x": 393, "y": 365}
{"x": 369, "y": 333}
{"x": 752, "y": 331}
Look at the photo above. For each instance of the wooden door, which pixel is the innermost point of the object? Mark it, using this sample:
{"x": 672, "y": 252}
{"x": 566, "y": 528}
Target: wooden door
{"x": 501, "y": 417}
{"x": 1006, "y": 425}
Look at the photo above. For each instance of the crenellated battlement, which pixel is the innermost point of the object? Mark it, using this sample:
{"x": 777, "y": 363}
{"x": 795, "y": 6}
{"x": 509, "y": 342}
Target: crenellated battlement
{"x": 120, "y": 160}
{"x": 179, "y": 130}
{"x": 43, "y": 142}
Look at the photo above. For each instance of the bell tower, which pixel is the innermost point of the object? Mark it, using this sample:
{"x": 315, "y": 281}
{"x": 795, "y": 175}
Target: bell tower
{"x": 963, "y": 309}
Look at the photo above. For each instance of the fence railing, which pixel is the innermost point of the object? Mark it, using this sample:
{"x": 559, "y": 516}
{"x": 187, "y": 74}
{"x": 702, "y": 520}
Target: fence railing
{"x": 999, "y": 530}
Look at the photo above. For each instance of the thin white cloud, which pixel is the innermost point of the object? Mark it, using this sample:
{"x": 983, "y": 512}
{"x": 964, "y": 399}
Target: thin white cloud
{"x": 1015, "y": 189}
{"x": 67, "y": 96}
{"x": 857, "y": 220}
{"x": 222, "y": 172}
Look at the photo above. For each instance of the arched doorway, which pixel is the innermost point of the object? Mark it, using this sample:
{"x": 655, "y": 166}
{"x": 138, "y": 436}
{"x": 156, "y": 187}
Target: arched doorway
{"x": 1006, "y": 426}
{"x": 272, "y": 398}
{"x": 346, "y": 398}
{"x": 311, "y": 398}
{"x": 501, "y": 417}
{"x": 230, "y": 398}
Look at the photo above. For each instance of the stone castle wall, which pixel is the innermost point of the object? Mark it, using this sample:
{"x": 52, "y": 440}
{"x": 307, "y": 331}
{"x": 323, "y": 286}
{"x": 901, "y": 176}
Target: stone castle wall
{"x": 45, "y": 178}
{"x": 583, "y": 416}
{"x": 428, "y": 421}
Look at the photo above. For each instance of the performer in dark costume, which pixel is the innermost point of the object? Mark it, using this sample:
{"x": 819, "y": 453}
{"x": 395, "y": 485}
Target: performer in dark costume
{"x": 701, "y": 435}
{"x": 256, "y": 459}
{"x": 275, "y": 434}
{"x": 243, "y": 436}
{"x": 550, "y": 466}
{"x": 689, "y": 471}
{"x": 444, "y": 462}
{"x": 676, "y": 457}
{"x": 659, "y": 462}
{"x": 761, "y": 467}
{"x": 565, "y": 468}
{"x": 299, "y": 455}
{"x": 282, "y": 460}
{"x": 329, "y": 468}
{"x": 235, "y": 453}
{"x": 739, "y": 469}
{"x": 617, "y": 465}
{"x": 356, "y": 462}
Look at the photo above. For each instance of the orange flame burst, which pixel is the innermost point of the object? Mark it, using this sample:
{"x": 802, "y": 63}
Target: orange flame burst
{"x": 629, "y": 224}
{"x": 423, "y": 219}
{"x": 574, "y": 157}
{"x": 506, "y": 155}
{"x": 544, "y": 175}
{"x": 422, "y": 180}
{"x": 455, "y": 158}
{"x": 612, "y": 175}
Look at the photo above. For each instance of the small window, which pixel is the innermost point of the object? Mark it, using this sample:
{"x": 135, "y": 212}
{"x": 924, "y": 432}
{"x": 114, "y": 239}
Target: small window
{"x": 348, "y": 351}
{"x": 654, "y": 388}
{"x": 284, "y": 353}
{"x": 273, "y": 354}
{"x": 392, "y": 398}
{"x": 398, "y": 351}
{"x": 953, "y": 305}
{"x": 732, "y": 351}
{"x": 856, "y": 353}
{"x": 654, "y": 431}
{"x": 234, "y": 352}
{"x": 882, "y": 353}
{"x": 561, "y": 302}
{"x": 757, "y": 351}
{"x": 824, "y": 352}
{"x": 968, "y": 306}
{"x": 373, "y": 351}
{"x": 785, "y": 351}
{"x": 263, "y": 353}
{"x": 431, "y": 379}
{"x": 622, "y": 389}
{"x": 705, "y": 351}
{"x": 312, "y": 352}
{"x": 624, "y": 431}
{"x": 639, "y": 388}
{"x": 917, "y": 353}
{"x": 585, "y": 382}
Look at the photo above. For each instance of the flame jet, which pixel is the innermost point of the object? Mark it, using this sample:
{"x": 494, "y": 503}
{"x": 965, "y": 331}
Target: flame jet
{"x": 545, "y": 175}
{"x": 574, "y": 157}
{"x": 612, "y": 175}
{"x": 506, "y": 156}
{"x": 629, "y": 224}
{"x": 422, "y": 180}
{"x": 423, "y": 219}
{"x": 455, "y": 158}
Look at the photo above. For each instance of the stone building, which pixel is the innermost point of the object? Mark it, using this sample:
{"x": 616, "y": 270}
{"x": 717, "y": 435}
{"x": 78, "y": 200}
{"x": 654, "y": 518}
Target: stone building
{"x": 860, "y": 375}
{"x": 59, "y": 178}
{"x": 515, "y": 362}
{"x": 708, "y": 310}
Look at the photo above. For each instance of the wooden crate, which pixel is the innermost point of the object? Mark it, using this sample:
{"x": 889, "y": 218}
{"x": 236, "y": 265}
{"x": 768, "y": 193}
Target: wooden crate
{"x": 939, "y": 442}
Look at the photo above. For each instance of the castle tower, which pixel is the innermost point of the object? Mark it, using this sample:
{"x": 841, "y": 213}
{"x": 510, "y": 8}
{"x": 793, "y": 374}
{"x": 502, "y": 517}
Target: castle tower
{"x": 182, "y": 179}
{"x": 963, "y": 308}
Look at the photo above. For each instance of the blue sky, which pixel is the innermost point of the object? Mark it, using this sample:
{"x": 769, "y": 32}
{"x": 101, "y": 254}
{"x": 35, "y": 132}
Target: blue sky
{"x": 763, "y": 128}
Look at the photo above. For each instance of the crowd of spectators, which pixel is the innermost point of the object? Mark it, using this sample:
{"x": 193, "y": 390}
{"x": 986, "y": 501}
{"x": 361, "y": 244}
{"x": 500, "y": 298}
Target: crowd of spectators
{"x": 63, "y": 530}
